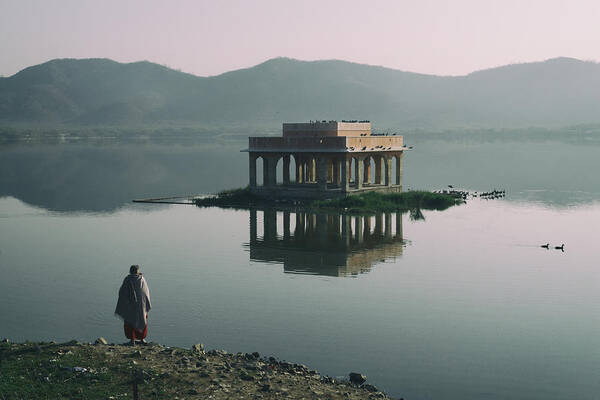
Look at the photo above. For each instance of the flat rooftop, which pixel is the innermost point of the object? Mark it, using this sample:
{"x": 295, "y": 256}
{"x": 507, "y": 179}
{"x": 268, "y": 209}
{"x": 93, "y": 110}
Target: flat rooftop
{"x": 327, "y": 137}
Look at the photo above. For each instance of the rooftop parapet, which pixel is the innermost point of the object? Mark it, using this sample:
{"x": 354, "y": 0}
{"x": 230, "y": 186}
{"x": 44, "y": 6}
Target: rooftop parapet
{"x": 344, "y": 144}
{"x": 326, "y": 128}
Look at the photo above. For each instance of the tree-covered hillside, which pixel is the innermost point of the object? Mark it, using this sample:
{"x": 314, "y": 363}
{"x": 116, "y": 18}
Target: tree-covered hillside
{"x": 556, "y": 92}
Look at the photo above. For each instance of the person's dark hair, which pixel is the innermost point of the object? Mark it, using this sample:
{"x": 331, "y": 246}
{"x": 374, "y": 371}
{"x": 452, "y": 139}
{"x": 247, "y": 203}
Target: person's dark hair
{"x": 134, "y": 269}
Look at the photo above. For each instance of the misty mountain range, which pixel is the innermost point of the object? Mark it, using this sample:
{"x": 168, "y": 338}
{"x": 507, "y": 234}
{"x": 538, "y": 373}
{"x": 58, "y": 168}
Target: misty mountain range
{"x": 556, "y": 92}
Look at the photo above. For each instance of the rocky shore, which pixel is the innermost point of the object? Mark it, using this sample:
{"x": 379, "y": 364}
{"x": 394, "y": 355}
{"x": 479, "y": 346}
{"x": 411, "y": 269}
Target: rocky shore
{"x": 72, "y": 370}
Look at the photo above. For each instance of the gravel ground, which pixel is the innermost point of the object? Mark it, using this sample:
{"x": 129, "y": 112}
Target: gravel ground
{"x": 72, "y": 370}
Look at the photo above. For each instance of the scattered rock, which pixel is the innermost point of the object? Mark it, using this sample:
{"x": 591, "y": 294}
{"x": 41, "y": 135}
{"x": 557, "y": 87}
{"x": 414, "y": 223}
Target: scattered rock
{"x": 357, "y": 378}
{"x": 100, "y": 340}
{"x": 246, "y": 376}
{"x": 266, "y": 387}
{"x": 137, "y": 353}
{"x": 198, "y": 348}
{"x": 194, "y": 374}
{"x": 370, "y": 388}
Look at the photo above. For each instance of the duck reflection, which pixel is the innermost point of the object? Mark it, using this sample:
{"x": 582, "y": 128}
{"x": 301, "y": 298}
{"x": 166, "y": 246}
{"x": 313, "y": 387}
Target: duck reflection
{"x": 325, "y": 243}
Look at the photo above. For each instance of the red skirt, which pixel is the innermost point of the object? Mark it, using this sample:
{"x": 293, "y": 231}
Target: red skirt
{"x": 134, "y": 334}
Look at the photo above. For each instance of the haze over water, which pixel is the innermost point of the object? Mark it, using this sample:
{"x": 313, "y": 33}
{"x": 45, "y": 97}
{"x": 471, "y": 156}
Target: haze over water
{"x": 469, "y": 307}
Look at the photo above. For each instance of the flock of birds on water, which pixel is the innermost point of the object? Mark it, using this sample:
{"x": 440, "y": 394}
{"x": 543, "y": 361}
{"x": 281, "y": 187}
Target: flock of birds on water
{"x": 464, "y": 194}
{"x": 491, "y": 195}
{"x": 380, "y": 147}
{"x": 548, "y": 247}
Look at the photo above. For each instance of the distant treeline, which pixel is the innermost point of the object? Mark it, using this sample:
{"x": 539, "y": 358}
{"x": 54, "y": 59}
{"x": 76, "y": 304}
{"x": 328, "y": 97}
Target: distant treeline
{"x": 578, "y": 134}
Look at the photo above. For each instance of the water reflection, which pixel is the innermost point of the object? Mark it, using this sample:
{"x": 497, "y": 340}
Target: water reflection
{"x": 104, "y": 177}
{"x": 325, "y": 243}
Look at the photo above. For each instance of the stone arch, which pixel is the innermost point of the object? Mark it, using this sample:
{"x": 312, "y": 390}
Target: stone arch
{"x": 278, "y": 160}
{"x": 260, "y": 167}
{"x": 293, "y": 168}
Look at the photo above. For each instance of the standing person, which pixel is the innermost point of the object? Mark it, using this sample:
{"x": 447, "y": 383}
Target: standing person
{"x": 133, "y": 305}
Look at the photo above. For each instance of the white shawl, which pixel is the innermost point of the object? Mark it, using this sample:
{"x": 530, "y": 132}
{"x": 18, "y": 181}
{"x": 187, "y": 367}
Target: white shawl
{"x": 134, "y": 301}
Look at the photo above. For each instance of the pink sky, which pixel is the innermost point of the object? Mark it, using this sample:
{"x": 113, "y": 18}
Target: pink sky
{"x": 210, "y": 37}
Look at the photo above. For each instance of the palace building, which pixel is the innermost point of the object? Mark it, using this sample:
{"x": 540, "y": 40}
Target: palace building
{"x": 325, "y": 159}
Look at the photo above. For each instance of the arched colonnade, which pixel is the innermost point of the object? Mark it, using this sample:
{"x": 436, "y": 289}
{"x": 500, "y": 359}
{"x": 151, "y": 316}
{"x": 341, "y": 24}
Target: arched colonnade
{"x": 326, "y": 170}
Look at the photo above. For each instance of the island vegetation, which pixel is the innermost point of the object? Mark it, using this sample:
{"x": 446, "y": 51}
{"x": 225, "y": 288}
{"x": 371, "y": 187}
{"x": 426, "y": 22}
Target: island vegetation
{"x": 361, "y": 203}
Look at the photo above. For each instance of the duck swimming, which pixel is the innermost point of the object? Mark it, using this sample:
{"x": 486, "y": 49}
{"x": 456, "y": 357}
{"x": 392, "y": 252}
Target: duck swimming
{"x": 561, "y": 247}
{"x": 546, "y": 246}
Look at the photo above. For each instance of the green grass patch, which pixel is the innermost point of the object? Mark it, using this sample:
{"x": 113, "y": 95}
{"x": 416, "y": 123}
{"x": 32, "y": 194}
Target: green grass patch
{"x": 362, "y": 203}
{"x": 236, "y": 198}
{"x": 377, "y": 202}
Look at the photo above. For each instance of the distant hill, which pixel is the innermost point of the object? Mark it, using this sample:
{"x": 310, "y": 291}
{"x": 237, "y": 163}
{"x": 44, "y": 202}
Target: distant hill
{"x": 561, "y": 91}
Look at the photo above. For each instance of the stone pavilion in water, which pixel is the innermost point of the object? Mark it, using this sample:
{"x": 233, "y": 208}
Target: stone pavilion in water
{"x": 325, "y": 159}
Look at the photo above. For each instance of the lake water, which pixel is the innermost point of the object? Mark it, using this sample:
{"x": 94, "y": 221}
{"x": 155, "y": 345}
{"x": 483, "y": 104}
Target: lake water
{"x": 462, "y": 305}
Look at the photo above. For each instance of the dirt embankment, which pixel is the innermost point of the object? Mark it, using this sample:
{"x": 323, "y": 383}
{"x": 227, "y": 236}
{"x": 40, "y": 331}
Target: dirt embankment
{"x": 106, "y": 371}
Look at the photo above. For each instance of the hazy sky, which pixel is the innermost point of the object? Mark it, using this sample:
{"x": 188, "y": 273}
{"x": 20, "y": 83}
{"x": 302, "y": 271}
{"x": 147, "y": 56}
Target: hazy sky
{"x": 211, "y": 37}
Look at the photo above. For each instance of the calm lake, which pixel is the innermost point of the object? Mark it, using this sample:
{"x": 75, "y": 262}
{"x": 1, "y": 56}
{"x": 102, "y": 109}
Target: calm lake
{"x": 464, "y": 304}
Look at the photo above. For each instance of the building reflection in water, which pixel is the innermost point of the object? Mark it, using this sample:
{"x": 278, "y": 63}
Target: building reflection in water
{"x": 324, "y": 243}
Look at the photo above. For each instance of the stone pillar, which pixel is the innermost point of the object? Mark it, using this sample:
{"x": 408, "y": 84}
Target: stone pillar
{"x": 313, "y": 170}
{"x": 346, "y": 230}
{"x": 367, "y": 173}
{"x": 311, "y": 223}
{"x": 399, "y": 170}
{"x": 335, "y": 222}
{"x": 305, "y": 177}
{"x": 358, "y": 228}
{"x": 336, "y": 171}
{"x": 388, "y": 171}
{"x": 322, "y": 173}
{"x": 388, "y": 226}
{"x": 330, "y": 170}
{"x": 299, "y": 231}
{"x": 252, "y": 169}
{"x": 321, "y": 227}
{"x": 359, "y": 172}
{"x": 367, "y": 232}
{"x": 398, "y": 225}
{"x": 270, "y": 224}
{"x": 345, "y": 178}
{"x": 266, "y": 170}
{"x": 286, "y": 225}
{"x": 253, "y": 227}
{"x": 378, "y": 165}
{"x": 307, "y": 171}
{"x": 273, "y": 170}
{"x": 379, "y": 224}
{"x": 286, "y": 169}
